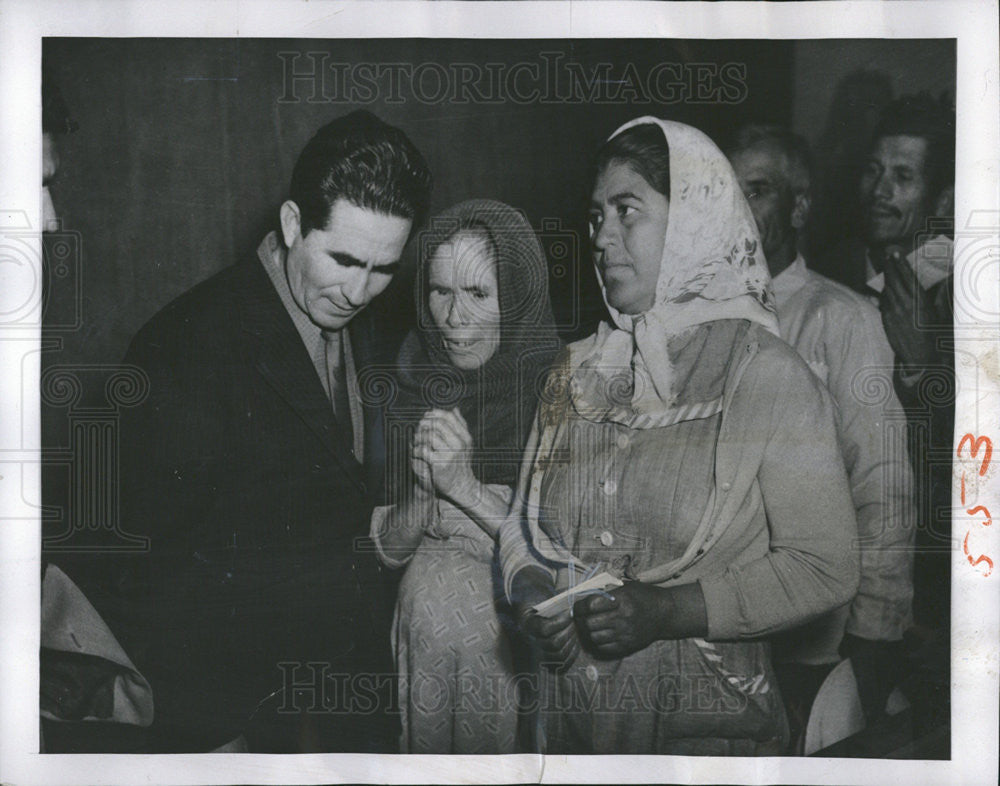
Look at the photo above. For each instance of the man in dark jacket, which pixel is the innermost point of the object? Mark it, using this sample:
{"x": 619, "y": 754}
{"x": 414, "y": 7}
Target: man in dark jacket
{"x": 902, "y": 262}
{"x": 258, "y": 616}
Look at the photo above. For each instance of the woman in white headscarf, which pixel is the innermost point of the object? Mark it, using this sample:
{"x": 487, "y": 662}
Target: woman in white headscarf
{"x": 687, "y": 451}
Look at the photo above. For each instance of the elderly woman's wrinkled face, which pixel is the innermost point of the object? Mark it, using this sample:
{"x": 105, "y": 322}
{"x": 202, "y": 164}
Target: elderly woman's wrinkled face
{"x": 464, "y": 298}
{"x": 628, "y": 223}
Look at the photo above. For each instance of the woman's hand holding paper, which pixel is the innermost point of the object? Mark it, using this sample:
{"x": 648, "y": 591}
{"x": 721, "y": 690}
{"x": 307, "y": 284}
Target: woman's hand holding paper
{"x": 555, "y": 635}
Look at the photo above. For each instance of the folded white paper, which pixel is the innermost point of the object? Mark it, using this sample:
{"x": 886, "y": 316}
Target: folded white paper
{"x": 565, "y": 600}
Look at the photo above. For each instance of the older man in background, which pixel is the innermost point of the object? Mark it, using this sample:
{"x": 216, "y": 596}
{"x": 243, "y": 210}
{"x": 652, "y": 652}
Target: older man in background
{"x": 902, "y": 262}
{"x": 906, "y": 195}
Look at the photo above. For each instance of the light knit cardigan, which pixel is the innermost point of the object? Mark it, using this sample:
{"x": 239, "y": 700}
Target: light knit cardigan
{"x": 777, "y": 433}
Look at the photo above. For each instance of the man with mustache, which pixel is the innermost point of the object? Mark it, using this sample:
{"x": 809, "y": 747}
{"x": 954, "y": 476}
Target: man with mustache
{"x": 904, "y": 266}
{"x": 252, "y": 466}
{"x": 907, "y": 205}
{"x": 840, "y": 337}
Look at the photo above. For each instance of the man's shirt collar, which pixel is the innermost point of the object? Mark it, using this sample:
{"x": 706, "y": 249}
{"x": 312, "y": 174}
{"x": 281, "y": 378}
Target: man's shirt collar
{"x": 790, "y": 280}
{"x": 272, "y": 255}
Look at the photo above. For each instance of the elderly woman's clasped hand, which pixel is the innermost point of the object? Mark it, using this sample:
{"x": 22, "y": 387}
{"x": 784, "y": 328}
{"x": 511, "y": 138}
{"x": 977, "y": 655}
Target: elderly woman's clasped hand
{"x": 442, "y": 446}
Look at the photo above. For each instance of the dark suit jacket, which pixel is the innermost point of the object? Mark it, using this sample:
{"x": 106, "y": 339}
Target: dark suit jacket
{"x": 257, "y": 514}
{"x": 930, "y": 410}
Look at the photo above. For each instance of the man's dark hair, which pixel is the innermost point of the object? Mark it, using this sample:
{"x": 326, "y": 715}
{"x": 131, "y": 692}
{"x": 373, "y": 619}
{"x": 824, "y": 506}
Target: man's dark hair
{"x": 365, "y": 161}
{"x": 642, "y": 147}
{"x": 932, "y": 120}
{"x": 793, "y": 147}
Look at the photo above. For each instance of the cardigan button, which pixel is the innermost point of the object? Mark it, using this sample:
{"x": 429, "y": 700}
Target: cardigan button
{"x": 591, "y": 672}
{"x": 609, "y": 487}
{"x": 622, "y": 441}
{"x": 726, "y": 486}
{"x": 607, "y": 539}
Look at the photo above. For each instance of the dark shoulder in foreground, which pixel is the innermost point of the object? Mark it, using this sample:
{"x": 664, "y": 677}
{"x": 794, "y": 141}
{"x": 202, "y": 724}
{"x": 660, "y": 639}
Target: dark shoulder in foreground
{"x": 207, "y": 310}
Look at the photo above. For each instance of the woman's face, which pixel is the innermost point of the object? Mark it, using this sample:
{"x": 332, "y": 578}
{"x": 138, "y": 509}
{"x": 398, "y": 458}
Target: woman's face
{"x": 628, "y": 223}
{"x": 464, "y": 298}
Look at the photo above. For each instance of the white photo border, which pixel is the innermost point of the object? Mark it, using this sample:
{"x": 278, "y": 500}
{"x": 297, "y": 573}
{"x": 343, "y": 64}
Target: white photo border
{"x": 975, "y": 629}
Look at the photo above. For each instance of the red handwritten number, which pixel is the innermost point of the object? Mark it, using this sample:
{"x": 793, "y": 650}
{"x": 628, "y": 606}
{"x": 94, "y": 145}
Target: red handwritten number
{"x": 975, "y": 443}
{"x": 980, "y": 558}
{"x": 981, "y": 509}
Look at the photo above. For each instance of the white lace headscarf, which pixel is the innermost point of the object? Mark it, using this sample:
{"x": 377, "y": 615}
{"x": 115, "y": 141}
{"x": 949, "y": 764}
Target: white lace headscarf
{"x": 712, "y": 268}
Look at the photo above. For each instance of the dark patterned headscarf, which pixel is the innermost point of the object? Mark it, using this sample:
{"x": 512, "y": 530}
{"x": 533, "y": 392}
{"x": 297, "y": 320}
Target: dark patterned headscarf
{"x": 498, "y": 399}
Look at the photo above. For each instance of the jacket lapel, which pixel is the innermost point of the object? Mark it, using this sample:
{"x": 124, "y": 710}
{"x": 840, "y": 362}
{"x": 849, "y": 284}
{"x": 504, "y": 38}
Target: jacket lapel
{"x": 282, "y": 359}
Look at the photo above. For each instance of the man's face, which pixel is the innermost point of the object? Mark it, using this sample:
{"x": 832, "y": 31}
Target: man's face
{"x": 762, "y": 172}
{"x": 895, "y": 195}
{"x": 628, "y": 225}
{"x": 336, "y": 271}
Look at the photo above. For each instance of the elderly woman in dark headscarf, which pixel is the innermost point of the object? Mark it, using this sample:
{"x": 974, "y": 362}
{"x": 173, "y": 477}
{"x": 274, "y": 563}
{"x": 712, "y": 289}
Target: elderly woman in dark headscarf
{"x": 467, "y": 380}
{"x": 688, "y": 452}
